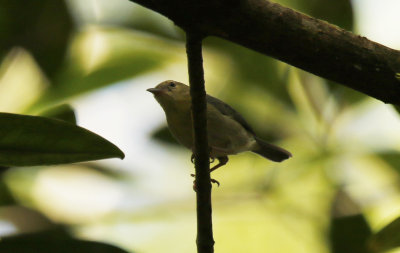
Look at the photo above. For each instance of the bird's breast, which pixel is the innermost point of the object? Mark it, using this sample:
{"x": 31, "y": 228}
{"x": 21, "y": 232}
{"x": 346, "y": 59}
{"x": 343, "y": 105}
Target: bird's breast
{"x": 180, "y": 125}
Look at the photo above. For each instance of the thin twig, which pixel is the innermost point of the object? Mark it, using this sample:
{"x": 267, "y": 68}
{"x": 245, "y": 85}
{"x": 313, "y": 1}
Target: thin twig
{"x": 205, "y": 241}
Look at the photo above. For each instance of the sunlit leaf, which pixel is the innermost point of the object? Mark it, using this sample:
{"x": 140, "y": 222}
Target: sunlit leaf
{"x": 33, "y": 140}
{"x": 386, "y": 238}
{"x": 253, "y": 69}
{"x": 144, "y": 19}
{"x": 42, "y": 27}
{"x": 62, "y": 112}
{"x": 21, "y": 81}
{"x": 55, "y": 240}
{"x": 102, "y": 57}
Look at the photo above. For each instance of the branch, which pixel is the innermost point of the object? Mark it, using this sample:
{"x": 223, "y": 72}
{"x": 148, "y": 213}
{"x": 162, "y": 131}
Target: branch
{"x": 297, "y": 39}
{"x": 205, "y": 241}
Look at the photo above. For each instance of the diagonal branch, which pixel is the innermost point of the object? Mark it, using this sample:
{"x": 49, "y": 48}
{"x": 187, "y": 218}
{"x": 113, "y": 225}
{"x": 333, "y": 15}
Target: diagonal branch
{"x": 297, "y": 39}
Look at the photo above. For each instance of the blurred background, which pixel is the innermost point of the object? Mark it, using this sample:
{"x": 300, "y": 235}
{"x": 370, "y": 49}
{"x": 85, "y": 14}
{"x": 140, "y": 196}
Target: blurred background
{"x": 340, "y": 188}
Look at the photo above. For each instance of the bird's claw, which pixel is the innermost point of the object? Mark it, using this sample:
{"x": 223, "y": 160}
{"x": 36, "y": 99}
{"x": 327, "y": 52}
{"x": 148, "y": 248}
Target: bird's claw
{"x": 212, "y": 159}
{"x": 212, "y": 181}
{"x": 215, "y": 182}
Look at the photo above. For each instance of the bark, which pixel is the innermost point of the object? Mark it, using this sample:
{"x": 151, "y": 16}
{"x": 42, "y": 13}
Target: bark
{"x": 297, "y": 39}
{"x": 205, "y": 241}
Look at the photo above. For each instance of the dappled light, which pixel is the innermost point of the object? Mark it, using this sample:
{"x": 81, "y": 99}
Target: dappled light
{"x": 344, "y": 173}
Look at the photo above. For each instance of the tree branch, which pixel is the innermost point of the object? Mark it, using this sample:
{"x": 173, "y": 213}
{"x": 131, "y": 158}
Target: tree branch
{"x": 297, "y": 39}
{"x": 205, "y": 241}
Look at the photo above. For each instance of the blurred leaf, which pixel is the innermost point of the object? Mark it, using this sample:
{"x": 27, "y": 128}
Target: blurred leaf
{"x": 42, "y": 27}
{"x": 144, "y": 19}
{"x": 387, "y": 238}
{"x": 163, "y": 134}
{"x": 54, "y": 240}
{"x": 125, "y": 55}
{"x": 21, "y": 81}
{"x": 253, "y": 69}
{"x": 6, "y": 198}
{"x": 108, "y": 171}
{"x": 62, "y": 112}
{"x": 32, "y": 140}
{"x": 349, "y": 234}
{"x": 25, "y": 220}
{"x": 349, "y": 230}
{"x": 392, "y": 158}
{"x": 338, "y": 12}
{"x": 397, "y": 108}
{"x": 344, "y": 95}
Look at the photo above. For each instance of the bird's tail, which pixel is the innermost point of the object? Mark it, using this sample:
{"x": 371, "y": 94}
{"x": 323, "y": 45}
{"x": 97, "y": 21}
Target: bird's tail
{"x": 271, "y": 152}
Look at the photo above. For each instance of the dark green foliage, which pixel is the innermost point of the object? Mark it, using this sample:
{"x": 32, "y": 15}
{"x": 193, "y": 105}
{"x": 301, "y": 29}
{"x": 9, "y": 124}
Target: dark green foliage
{"x": 349, "y": 234}
{"x": 42, "y": 27}
{"x": 34, "y": 140}
{"x": 50, "y": 241}
{"x": 387, "y": 238}
{"x": 6, "y": 197}
{"x": 349, "y": 231}
{"x": 62, "y": 112}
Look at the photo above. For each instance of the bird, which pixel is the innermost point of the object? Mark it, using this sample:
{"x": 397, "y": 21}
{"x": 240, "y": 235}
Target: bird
{"x": 228, "y": 132}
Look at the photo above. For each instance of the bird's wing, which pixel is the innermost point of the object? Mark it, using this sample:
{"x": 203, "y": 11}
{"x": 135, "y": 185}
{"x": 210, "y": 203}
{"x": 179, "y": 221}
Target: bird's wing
{"x": 225, "y": 109}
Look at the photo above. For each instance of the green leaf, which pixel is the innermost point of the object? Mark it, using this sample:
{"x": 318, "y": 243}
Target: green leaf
{"x": 253, "y": 70}
{"x": 127, "y": 54}
{"x": 392, "y": 158}
{"x": 349, "y": 230}
{"x": 33, "y": 140}
{"x": 62, "y": 112}
{"x": 349, "y": 234}
{"x": 54, "y": 240}
{"x": 387, "y": 238}
{"x": 42, "y": 27}
{"x": 6, "y": 197}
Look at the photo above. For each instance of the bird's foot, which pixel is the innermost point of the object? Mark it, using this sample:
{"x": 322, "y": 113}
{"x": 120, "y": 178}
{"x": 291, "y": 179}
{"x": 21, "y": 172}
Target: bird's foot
{"x": 215, "y": 182}
{"x": 212, "y": 181}
{"x": 212, "y": 159}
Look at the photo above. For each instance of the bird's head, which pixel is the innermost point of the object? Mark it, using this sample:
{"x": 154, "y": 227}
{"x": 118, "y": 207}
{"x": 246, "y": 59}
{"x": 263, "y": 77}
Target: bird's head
{"x": 171, "y": 93}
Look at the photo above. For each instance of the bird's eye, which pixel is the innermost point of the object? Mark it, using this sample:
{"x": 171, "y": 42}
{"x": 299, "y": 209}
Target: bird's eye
{"x": 171, "y": 84}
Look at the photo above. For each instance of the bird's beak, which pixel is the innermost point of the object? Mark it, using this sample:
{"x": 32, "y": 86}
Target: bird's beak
{"x": 155, "y": 91}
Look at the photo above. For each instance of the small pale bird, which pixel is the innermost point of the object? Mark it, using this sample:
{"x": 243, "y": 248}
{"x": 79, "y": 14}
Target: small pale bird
{"x": 228, "y": 132}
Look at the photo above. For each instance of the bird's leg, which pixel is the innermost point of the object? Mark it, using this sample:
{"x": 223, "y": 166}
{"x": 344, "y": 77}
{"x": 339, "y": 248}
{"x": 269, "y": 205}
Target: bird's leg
{"x": 192, "y": 158}
{"x": 222, "y": 161}
{"x": 212, "y": 159}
